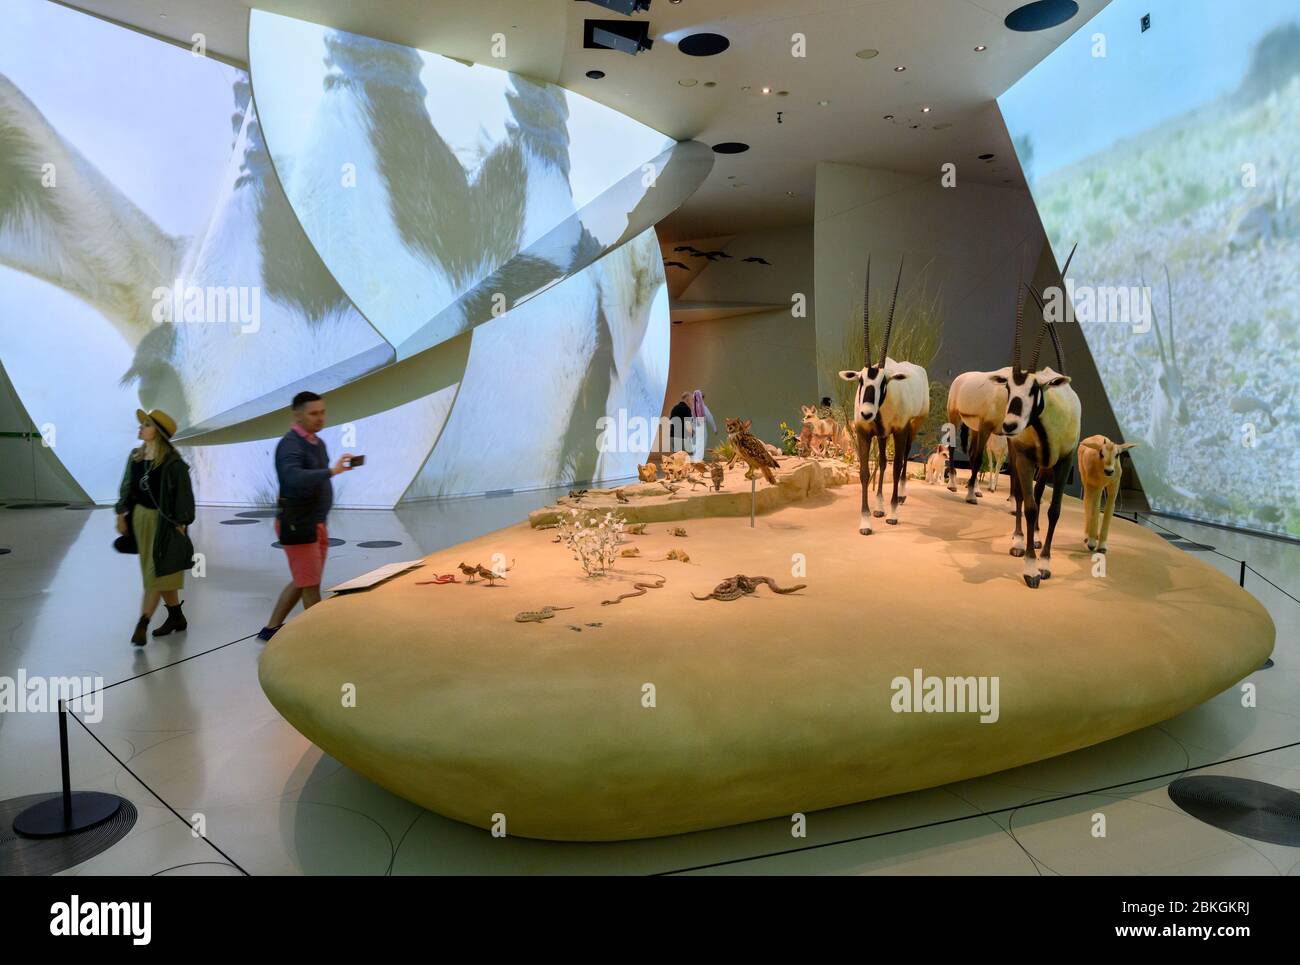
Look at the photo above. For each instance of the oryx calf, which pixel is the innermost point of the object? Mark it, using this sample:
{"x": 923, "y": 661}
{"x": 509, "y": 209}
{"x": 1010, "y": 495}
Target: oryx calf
{"x": 1099, "y": 468}
{"x": 892, "y": 402}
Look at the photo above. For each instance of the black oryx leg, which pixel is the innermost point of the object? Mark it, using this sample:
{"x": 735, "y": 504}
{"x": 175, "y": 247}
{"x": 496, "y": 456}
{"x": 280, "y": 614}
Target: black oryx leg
{"x": 1026, "y": 468}
{"x": 864, "y": 477}
{"x": 976, "y": 454}
{"x": 909, "y": 434}
{"x": 899, "y": 465}
{"x": 880, "y": 474}
{"x": 1039, "y": 485}
{"x": 1018, "y": 537}
{"x": 1060, "y": 473}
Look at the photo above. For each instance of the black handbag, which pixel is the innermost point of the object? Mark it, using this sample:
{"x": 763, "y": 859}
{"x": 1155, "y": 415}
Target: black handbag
{"x": 297, "y": 521}
{"x": 173, "y": 549}
{"x": 126, "y": 542}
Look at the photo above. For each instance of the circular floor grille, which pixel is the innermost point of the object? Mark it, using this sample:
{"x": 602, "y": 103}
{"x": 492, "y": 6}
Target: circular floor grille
{"x": 1252, "y": 809}
{"x": 47, "y": 856}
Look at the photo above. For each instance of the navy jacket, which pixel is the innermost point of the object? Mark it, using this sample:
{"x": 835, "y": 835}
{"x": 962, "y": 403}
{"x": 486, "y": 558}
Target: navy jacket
{"x": 303, "y": 469}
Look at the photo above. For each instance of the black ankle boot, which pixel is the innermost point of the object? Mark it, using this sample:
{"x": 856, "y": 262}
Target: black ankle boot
{"x": 175, "y": 620}
{"x": 141, "y": 626}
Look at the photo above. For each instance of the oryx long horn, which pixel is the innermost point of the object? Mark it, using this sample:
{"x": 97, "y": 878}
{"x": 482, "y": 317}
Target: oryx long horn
{"x": 1047, "y": 329}
{"x": 1060, "y": 352}
{"x": 1038, "y": 342}
{"x": 1066, "y": 270}
{"x": 889, "y": 323}
{"x": 1155, "y": 322}
{"x": 1173, "y": 345}
{"x": 866, "y": 317}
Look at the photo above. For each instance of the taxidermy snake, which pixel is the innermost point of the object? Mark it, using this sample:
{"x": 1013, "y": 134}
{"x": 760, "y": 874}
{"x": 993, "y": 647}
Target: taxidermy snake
{"x": 639, "y": 589}
{"x": 733, "y": 588}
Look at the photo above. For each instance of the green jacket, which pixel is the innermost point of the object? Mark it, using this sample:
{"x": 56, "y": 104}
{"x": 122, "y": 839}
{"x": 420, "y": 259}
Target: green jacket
{"x": 172, "y": 550}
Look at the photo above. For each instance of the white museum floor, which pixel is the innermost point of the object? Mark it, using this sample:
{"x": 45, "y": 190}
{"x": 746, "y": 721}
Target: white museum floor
{"x": 203, "y": 738}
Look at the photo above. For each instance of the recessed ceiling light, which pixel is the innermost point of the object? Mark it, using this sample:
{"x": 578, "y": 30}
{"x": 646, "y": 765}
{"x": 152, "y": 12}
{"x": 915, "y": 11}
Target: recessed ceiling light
{"x": 767, "y": 90}
{"x": 822, "y": 103}
{"x": 746, "y": 90}
{"x": 595, "y": 74}
{"x": 914, "y": 126}
{"x": 986, "y": 157}
{"x": 710, "y": 83}
{"x": 899, "y": 69}
{"x": 889, "y": 117}
{"x": 925, "y": 110}
{"x": 783, "y": 93}
{"x": 688, "y": 82}
{"x": 789, "y": 194}
{"x": 980, "y": 48}
{"x": 867, "y": 54}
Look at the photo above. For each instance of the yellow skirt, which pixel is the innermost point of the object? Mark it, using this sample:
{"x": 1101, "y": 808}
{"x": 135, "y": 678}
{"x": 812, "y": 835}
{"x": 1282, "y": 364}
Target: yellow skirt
{"x": 145, "y": 523}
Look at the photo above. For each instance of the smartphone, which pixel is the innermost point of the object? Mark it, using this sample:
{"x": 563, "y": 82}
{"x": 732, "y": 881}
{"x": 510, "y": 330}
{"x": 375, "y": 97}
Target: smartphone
{"x": 356, "y": 461}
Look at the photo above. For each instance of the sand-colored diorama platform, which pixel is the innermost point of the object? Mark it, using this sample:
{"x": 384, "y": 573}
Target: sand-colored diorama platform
{"x": 663, "y": 714}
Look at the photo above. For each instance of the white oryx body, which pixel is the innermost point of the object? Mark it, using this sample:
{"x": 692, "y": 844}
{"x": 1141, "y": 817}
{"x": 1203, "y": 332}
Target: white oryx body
{"x": 892, "y": 401}
{"x": 977, "y": 404}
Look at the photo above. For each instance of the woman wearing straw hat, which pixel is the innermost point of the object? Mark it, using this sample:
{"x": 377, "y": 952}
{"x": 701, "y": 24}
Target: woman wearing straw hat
{"x": 157, "y": 502}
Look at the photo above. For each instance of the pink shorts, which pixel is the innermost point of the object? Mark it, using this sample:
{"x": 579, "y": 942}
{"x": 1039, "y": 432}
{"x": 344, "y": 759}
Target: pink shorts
{"x": 307, "y": 560}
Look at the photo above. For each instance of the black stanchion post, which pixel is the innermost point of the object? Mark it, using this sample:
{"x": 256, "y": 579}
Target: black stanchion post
{"x": 57, "y": 817}
{"x": 63, "y": 762}
{"x": 1242, "y": 580}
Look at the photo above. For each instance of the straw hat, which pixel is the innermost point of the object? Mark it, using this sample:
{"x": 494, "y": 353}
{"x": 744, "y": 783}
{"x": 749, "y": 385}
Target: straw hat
{"x": 160, "y": 420}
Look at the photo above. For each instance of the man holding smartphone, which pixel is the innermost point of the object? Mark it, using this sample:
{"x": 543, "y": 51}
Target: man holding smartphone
{"x": 306, "y": 495}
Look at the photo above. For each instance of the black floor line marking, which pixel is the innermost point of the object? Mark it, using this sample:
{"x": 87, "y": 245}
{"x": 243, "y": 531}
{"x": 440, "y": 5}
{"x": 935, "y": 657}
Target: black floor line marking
{"x": 968, "y": 817}
{"x": 165, "y": 666}
{"x": 1224, "y": 555}
{"x": 206, "y": 840}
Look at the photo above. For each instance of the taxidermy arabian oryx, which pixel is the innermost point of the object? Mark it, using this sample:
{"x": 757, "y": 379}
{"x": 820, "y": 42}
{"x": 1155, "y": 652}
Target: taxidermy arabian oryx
{"x": 1042, "y": 429}
{"x": 977, "y": 404}
{"x": 892, "y": 401}
{"x": 1099, "y": 469}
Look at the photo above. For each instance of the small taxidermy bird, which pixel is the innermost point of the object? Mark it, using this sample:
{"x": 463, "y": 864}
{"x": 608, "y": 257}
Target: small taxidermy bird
{"x": 690, "y": 248}
{"x": 751, "y": 449}
{"x": 760, "y": 261}
{"x": 676, "y": 264}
